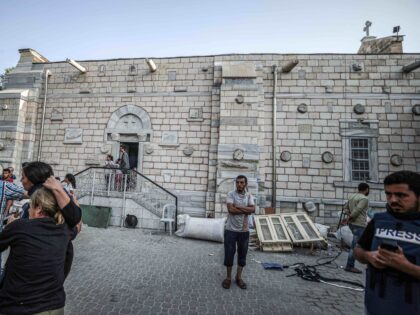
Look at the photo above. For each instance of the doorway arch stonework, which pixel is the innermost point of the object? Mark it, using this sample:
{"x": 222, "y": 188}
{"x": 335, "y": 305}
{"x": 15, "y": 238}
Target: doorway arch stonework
{"x": 129, "y": 123}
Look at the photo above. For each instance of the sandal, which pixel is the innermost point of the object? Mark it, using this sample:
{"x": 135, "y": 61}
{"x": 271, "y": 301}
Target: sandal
{"x": 240, "y": 283}
{"x": 226, "y": 283}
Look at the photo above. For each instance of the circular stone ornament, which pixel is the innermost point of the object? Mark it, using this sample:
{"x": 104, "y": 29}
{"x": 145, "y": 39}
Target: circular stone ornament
{"x": 396, "y": 160}
{"x": 302, "y": 108}
{"x": 149, "y": 150}
{"x": 239, "y": 99}
{"x": 416, "y": 109}
{"x": 105, "y": 149}
{"x": 238, "y": 154}
{"x": 327, "y": 157}
{"x": 359, "y": 109}
{"x": 188, "y": 151}
{"x": 285, "y": 156}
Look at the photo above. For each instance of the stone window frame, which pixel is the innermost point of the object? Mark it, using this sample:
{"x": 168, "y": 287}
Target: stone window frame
{"x": 361, "y": 129}
{"x": 366, "y": 148}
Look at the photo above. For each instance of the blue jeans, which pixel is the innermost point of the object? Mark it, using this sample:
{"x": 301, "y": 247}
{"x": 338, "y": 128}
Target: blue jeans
{"x": 357, "y": 233}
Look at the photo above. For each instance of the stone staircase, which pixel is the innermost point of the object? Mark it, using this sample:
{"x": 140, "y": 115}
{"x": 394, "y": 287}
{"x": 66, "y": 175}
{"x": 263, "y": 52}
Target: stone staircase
{"x": 146, "y": 193}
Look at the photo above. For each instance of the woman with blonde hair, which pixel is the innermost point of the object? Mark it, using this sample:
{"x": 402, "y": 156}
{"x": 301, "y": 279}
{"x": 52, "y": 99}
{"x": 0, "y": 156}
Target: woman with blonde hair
{"x": 35, "y": 275}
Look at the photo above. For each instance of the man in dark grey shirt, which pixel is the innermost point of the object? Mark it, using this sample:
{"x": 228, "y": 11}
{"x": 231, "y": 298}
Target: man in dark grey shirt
{"x": 240, "y": 204}
{"x": 125, "y": 162}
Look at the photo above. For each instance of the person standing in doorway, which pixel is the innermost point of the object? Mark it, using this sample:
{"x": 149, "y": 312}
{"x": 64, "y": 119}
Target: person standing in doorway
{"x": 125, "y": 166}
{"x": 356, "y": 209}
{"x": 240, "y": 204}
{"x": 125, "y": 162}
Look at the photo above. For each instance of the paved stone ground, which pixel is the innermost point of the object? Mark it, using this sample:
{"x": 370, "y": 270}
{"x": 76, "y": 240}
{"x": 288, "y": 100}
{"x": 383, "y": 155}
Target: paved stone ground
{"x": 123, "y": 271}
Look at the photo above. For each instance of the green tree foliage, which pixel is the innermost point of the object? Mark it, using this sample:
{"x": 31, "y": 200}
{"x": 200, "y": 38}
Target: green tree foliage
{"x": 2, "y": 76}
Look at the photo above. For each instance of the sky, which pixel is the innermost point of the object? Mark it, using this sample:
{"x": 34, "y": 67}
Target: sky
{"x": 108, "y": 29}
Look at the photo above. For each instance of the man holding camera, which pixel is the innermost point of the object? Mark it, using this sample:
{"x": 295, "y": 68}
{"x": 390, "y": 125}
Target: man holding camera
{"x": 390, "y": 245}
{"x": 356, "y": 208}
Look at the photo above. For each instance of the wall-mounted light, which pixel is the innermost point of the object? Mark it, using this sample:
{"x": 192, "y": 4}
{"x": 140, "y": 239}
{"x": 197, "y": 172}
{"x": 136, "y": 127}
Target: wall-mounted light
{"x": 289, "y": 66}
{"x": 151, "y": 65}
{"x": 411, "y": 67}
{"x": 76, "y": 65}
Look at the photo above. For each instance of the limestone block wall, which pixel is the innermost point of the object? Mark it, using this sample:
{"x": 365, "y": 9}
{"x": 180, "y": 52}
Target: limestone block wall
{"x": 329, "y": 89}
{"x": 177, "y": 99}
{"x": 13, "y": 139}
{"x": 196, "y": 122}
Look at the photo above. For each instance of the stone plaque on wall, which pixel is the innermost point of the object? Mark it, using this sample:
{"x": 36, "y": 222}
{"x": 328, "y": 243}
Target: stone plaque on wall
{"x": 73, "y": 136}
{"x": 195, "y": 114}
{"x": 56, "y": 115}
{"x": 169, "y": 138}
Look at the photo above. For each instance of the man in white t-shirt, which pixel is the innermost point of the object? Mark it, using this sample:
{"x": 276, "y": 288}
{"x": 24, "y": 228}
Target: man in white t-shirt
{"x": 240, "y": 204}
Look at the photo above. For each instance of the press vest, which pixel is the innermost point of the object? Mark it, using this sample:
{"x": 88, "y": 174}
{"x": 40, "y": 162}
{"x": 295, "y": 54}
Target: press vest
{"x": 389, "y": 291}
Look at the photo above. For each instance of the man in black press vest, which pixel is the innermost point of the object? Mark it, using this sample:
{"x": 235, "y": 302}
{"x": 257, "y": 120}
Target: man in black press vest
{"x": 390, "y": 245}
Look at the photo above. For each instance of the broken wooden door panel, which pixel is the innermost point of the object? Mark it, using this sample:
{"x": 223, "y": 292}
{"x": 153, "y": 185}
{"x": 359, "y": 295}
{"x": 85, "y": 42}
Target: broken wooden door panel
{"x": 265, "y": 234}
{"x": 270, "y": 228}
{"x": 293, "y": 229}
{"x": 279, "y": 229}
{"x": 301, "y": 228}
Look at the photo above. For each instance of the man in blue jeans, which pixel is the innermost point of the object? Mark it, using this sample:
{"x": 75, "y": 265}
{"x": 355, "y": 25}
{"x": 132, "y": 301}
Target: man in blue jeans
{"x": 356, "y": 209}
{"x": 240, "y": 204}
{"x": 8, "y": 191}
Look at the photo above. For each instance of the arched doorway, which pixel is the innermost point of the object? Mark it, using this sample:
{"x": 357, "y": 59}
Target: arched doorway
{"x": 129, "y": 125}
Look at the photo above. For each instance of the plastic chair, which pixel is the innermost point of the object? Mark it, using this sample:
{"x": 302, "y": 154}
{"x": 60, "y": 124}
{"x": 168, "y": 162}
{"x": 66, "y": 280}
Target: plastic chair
{"x": 168, "y": 216}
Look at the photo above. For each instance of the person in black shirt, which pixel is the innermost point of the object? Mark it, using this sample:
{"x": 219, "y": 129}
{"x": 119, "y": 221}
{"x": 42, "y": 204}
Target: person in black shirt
{"x": 35, "y": 270}
{"x": 39, "y": 174}
{"x": 390, "y": 245}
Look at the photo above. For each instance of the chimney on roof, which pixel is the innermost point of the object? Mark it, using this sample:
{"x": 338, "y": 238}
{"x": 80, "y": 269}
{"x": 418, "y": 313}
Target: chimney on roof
{"x": 30, "y": 55}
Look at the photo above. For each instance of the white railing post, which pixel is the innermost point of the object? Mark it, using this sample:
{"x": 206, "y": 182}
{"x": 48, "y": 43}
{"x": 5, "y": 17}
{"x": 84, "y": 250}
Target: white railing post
{"x": 109, "y": 182}
{"x": 93, "y": 187}
{"x": 123, "y": 207}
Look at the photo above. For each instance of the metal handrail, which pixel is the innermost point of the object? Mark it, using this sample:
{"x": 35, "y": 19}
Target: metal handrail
{"x": 143, "y": 176}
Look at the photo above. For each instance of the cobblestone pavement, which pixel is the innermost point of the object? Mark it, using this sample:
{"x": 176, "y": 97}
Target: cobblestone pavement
{"x": 123, "y": 271}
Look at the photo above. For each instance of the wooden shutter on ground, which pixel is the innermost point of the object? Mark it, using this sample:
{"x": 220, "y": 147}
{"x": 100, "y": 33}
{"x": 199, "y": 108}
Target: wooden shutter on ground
{"x": 272, "y": 233}
{"x": 301, "y": 228}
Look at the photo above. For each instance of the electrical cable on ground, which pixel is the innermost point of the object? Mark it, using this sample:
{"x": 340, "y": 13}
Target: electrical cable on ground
{"x": 310, "y": 273}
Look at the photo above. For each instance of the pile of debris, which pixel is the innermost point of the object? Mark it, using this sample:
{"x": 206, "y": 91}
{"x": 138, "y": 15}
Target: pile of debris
{"x": 280, "y": 232}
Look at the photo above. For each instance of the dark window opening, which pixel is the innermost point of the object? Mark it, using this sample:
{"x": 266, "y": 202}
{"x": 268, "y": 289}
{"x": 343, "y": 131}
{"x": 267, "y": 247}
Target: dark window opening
{"x": 133, "y": 153}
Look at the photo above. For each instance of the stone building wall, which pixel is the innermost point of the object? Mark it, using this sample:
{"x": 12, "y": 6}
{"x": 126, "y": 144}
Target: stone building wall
{"x": 200, "y": 121}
